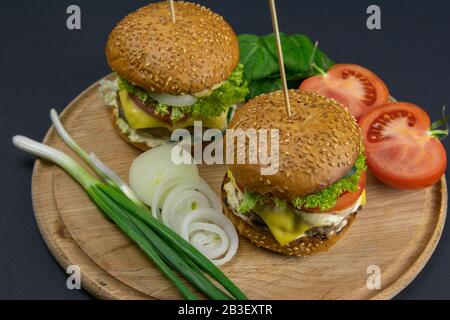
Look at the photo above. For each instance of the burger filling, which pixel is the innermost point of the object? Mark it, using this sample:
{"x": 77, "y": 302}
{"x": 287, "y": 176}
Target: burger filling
{"x": 286, "y": 221}
{"x": 151, "y": 117}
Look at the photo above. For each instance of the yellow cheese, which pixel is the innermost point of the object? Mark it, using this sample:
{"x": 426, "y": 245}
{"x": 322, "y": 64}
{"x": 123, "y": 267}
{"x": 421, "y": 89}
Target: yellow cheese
{"x": 284, "y": 224}
{"x": 136, "y": 117}
{"x": 139, "y": 119}
{"x": 230, "y": 176}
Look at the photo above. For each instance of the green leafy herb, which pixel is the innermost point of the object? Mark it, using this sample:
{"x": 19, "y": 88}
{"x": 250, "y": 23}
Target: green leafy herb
{"x": 282, "y": 204}
{"x": 177, "y": 114}
{"x": 435, "y": 130}
{"x": 162, "y": 109}
{"x": 134, "y": 90}
{"x": 258, "y": 62}
{"x": 249, "y": 201}
{"x": 232, "y": 91}
{"x": 326, "y": 198}
{"x": 258, "y": 87}
{"x": 259, "y": 57}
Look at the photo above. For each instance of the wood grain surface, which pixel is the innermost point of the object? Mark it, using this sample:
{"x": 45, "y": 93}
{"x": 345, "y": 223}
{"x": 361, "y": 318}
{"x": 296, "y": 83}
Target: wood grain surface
{"x": 396, "y": 231}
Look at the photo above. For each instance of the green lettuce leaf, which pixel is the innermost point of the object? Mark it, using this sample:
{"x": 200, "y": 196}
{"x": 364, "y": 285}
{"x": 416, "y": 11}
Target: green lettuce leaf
{"x": 324, "y": 199}
{"x": 282, "y": 204}
{"x": 162, "y": 109}
{"x": 249, "y": 201}
{"x": 232, "y": 91}
{"x": 134, "y": 90}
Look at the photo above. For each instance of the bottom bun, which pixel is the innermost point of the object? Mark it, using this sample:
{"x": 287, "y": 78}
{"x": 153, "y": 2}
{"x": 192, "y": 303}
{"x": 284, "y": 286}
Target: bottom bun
{"x": 301, "y": 247}
{"x": 141, "y": 146}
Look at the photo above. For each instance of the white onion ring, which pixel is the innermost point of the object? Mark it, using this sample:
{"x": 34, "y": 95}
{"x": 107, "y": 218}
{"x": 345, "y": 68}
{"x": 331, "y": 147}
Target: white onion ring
{"x": 195, "y": 183}
{"x": 202, "y": 234}
{"x": 167, "y": 183}
{"x": 172, "y": 191}
{"x": 152, "y": 166}
{"x": 183, "y": 100}
{"x": 210, "y": 215}
{"x": 181, "y": 198}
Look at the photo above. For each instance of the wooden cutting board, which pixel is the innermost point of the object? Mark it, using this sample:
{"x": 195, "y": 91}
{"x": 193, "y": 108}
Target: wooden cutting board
{"x": 397, "y": 231}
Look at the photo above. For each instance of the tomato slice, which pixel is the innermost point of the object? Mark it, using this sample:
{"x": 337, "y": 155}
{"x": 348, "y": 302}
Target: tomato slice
{"x": 150, "y": 109}
{"x": 346, "y": 200}
{"x": 400, "y": 150}
{"x": 355, "y": 87}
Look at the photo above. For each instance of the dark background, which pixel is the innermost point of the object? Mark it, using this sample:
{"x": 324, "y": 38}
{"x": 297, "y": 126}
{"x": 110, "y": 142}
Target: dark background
{"x": 43, "y": 65}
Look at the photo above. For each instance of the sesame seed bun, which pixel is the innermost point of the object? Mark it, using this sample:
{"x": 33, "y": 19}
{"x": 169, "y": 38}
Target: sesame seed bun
{"x": 197, "y": 52}
{"x": 301, "y": 247}
{"x": 318, "y": 145}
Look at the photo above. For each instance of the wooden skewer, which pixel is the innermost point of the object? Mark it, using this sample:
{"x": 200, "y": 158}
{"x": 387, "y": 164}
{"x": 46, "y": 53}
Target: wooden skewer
{"x": 172, "y": 11}
{"x": 276, "y": 30}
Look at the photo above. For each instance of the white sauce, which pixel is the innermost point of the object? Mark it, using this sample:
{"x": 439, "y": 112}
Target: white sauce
{"x": 108, "y": 90}
{"x": 234, "y": 196}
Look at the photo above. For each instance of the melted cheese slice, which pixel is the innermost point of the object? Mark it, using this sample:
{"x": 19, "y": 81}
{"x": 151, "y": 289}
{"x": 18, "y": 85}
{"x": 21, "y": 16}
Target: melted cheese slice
{"x": 288, "y": 225}
{"x": 139, "y": 119}
{"x": 284, "y": 224}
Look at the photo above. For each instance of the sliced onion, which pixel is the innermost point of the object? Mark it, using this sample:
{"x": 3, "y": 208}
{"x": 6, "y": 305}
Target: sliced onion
{"x": 212, "y": 216}
{"x": 207, "y": 92}
{"x": 183, "y": 100}
{"x": 179, "y": 203}
{"x": 209, "y": 238}
{"x": 164, "y": 187}
{"x": 151, "y": 167}
{"x": 183, "y": 201}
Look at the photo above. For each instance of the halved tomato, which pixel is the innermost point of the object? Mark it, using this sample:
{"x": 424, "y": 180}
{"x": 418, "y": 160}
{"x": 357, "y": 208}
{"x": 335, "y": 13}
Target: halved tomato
{"x": 346, "y": 200}
{"x": 356, "y": 87}
{"x": 400, "y": 148}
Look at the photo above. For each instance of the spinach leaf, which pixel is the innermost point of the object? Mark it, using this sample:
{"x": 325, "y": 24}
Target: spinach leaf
{"x": 305, "y": 50}
{"x": 258, "y": 87}
{"x": 260, "y": 59}
{"x": 258, "y": 62}
{"x": 297, "y": 51}
{"x": 323, "y": 61}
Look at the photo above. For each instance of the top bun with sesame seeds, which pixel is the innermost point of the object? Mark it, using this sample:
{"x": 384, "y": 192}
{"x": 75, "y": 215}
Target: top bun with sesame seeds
{"x": 318, "y": 145}
{"x": 190, "y": 56}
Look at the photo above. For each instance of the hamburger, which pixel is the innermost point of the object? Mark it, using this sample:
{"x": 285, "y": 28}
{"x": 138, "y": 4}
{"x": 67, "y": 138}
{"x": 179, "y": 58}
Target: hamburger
{"x": 169, "y": 75}
{"x": 313, "y": 198}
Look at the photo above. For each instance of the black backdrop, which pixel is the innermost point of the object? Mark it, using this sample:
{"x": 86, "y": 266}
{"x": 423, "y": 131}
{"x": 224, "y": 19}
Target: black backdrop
{"x": 44, "y": 65}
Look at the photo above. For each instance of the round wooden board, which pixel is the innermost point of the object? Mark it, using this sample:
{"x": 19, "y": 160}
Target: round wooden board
{"x": 396, "y": 231}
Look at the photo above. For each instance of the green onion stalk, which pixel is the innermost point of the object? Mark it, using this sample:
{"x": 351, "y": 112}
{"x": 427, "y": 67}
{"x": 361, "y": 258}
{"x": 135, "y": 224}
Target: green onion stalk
{"x": 170, "y": 253}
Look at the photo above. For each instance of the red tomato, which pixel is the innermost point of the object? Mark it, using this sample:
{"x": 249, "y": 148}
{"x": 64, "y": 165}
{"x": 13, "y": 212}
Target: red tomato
{"x": 399, "y": 148}
{"x": 355, "y": 87}
{"x": 150, "y": 110}
{"x": 347, "y": 199}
